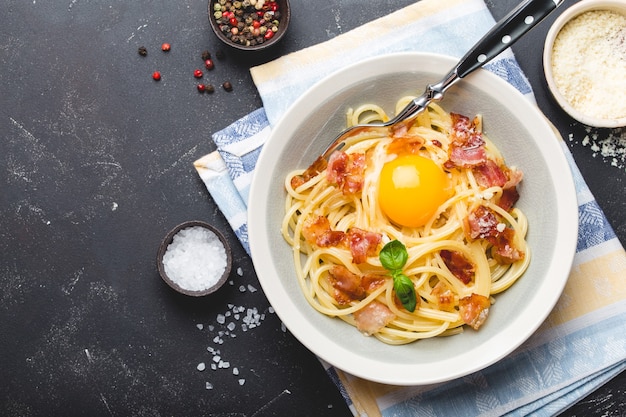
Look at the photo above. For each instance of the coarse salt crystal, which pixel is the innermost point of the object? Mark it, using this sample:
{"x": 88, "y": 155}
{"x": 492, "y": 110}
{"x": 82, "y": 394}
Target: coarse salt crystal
{"x": 196, "y": 258}
{"x": 201, "y": 366}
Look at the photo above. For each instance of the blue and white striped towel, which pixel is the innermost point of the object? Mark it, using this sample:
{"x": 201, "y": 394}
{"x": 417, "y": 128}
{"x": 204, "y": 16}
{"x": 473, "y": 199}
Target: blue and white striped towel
{"x": 580, "y": 346}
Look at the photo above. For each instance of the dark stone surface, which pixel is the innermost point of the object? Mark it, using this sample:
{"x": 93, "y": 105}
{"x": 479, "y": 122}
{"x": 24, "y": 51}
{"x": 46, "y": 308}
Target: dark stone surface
{"x": 96, "y": 167}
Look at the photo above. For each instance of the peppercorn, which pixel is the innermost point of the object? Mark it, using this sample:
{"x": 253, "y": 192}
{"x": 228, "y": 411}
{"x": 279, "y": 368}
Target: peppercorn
{"x": 227, "y": 86}
{"x": 142, "y": 51}
{"x": 156, "y": 75}
{"x": 197, "y": 73}
{"x": 166, "y": 47}
{"x": 201, "y": 88}
{"x": 209, "y": 64}
{"x": 220, "y": 54}
{"x": 206, "y": 55}
{"x": 209, "y": 88}
{"x": 246, "y": 22}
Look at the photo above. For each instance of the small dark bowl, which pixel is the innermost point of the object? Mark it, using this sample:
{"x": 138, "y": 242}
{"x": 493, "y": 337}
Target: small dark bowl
{"x": 168, "y": 240}
{"x": 285, "y": 16}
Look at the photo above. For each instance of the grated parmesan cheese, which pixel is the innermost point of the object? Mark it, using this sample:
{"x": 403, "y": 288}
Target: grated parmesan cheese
{"x": 589, "y": 63}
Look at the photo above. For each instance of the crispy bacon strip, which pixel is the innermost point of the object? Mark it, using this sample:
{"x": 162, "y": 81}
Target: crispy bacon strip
{"x": 405, "y": 145}
{"x": 317, "y": 231}
{"x": 350, "y": 286}
{"x": 458, "y": 264}
{"x": 445, "y": 296}
{"x": 474, "y": 310}
{"x": 316, "y": 167}
{"x": 362, "y": 244}
{"x": 347, "y": 285}
{"x": 347, "y": 171}
{"x": 490, "y": 174}
{"x": 467, "y": 145}
{"x": 483, "y": 223}
{"x": 373, "y": 317}
{"x": 508, "y": 198}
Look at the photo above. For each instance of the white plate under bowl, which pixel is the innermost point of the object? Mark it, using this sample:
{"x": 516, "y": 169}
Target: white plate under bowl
{"x": 548, "y": 198}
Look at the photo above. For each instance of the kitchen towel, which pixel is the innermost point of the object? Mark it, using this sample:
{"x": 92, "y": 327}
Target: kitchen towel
{"x": 579, "y": 347}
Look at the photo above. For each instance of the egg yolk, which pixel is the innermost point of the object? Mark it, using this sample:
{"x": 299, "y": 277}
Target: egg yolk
{"x": 411, "y": 189}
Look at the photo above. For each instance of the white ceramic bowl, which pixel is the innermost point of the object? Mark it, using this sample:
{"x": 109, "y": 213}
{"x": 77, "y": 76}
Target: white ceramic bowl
{"x": 547, "y": 197}
{"x": 618, "y": 6}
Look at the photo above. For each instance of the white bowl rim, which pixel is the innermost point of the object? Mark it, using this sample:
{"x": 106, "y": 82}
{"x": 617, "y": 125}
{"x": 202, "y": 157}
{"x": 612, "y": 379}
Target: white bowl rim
{"x": 412, "y": 374}
{"x": 569, "y": 14}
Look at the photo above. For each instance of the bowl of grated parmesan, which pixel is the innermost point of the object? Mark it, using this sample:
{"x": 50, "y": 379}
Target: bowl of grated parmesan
{"x": 584, "y": 61}
{"x": 194, "y": 258}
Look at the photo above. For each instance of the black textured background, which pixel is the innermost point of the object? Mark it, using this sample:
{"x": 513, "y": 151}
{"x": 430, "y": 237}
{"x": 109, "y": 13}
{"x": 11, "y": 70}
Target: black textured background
{"x": 96, "y": 167}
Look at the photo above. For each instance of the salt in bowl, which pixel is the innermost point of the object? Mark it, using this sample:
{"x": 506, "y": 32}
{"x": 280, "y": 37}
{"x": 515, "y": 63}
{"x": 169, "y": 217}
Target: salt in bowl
{"x": 194, "y": 258}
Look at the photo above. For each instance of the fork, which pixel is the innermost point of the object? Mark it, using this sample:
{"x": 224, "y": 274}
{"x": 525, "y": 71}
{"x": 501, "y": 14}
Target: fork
{"x": 501, "y": 36}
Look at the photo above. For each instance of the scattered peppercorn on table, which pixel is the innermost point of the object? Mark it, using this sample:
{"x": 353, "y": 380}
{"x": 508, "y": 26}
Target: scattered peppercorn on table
{"x": 104, "y": 107}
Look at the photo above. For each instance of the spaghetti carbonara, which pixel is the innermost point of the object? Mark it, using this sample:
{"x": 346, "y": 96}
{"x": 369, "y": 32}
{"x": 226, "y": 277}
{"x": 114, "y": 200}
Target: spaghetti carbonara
{"x": 438, "y": 195}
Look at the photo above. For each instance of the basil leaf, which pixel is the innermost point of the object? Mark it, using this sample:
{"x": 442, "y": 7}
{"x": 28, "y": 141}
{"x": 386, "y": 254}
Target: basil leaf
{"x": 405, "y": 291}
{"x": 393, "y": 255}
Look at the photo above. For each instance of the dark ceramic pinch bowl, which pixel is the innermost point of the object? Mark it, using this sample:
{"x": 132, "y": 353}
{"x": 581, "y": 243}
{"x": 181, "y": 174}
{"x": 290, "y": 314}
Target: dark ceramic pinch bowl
{"x": 285, "y": 17}
{"x": 168, "y": 240}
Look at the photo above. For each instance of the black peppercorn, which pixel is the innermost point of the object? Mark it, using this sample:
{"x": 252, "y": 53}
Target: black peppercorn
{"x": 227, "y": 86}
{"x": 206, "y": 55}
{"x": 142, "y": 51}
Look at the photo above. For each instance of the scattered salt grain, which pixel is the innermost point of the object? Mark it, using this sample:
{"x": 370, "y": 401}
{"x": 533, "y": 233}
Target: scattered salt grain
{"x": 201, "y": 366}
{"x": 240, "y": 272}
{"x": 242, "y": 288}
{"x": 196, "y": 258}
{"x": 235, "y": 371}
{"x": 200, "y": 326}
{"x": 209, "y": 385}
{"x": 242, "y": 381}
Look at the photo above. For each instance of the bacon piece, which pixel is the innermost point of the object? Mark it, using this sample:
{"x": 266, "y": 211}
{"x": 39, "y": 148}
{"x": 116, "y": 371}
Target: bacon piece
{"x": 350, "y": 286}
{"x": 362, "y": 244}
{"x": 508, "y": 198}
{"x": 444, "y": 295}
{"x": 467, "y": 145}
{"x": 405, "y": 145}
{"x": 315, "y": 168}
{"x": 474, "y": 310}
{"x": 373, "y": 317}
{"x": 458, "y": 264}
{"x": 371, "y": 282}
{"x": 515, "y": 177}
{"x": 490, "y": 174}
{"x": 347, "y": 285}
{"x": 505, "y": 253}
{"x": 317, "y": 231}
{"x": 483, "y": 223}
{"x": 347, "y": 171}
